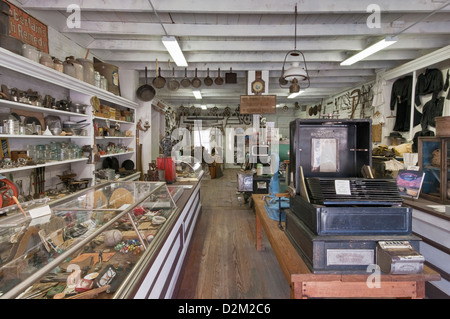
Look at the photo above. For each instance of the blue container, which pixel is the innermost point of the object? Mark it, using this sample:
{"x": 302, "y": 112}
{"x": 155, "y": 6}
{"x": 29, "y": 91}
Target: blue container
{"x": 273, "y": 209}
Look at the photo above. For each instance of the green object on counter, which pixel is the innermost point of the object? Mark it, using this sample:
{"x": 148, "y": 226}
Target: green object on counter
{"x": 283, "y": 152}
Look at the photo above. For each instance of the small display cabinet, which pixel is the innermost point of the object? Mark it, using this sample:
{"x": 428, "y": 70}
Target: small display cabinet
{"x": 91, "y": 245}
{"x": 434, "y": 162}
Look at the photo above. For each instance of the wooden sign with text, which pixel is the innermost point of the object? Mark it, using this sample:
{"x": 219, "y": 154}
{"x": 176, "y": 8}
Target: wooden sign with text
{"x": 27, "y": 29}
{"x": 258, "y": 104}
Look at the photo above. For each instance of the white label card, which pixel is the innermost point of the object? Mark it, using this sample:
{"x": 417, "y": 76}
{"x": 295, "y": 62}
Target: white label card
{"x": 40, "y": 211}
{"x": 342, "y": 187}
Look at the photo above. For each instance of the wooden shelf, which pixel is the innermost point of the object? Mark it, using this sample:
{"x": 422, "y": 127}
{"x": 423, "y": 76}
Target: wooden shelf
{"x": 111, "y": 120}
{"x": 113, "y": 137}
{"x": 36, "y": 70}
{"x": 43, "y": 136}
{"x": 28, "y": 167}
{"x": 115, "y": 154}
{"x": 29, "y": 107}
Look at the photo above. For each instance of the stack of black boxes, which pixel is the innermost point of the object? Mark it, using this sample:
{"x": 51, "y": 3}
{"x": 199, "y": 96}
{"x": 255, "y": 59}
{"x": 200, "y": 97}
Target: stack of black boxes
{"x": 338, "y": 216}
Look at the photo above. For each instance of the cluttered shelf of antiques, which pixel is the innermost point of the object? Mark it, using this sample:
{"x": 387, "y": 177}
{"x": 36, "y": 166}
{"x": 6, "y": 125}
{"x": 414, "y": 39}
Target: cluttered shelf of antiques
{"x": 60, "y": 121}
{"x": 428, "y": 186}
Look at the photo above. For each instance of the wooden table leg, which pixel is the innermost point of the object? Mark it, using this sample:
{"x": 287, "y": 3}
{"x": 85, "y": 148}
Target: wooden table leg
{"x": 259, "y": 242}
{"x": 420, "y": 290}
{"x": 296, "y": 290}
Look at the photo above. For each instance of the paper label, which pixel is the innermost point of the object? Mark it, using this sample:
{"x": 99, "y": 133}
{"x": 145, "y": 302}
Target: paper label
{"x": 353, "y": 257}
{"x": 40, "y": 211}
{"x": 342, "y": 187}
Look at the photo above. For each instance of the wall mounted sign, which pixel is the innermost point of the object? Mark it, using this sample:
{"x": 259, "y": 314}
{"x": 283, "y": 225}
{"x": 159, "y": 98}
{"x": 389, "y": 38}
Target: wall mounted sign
{"x": 27, "y": 29}
{"x": 258, "y": 104}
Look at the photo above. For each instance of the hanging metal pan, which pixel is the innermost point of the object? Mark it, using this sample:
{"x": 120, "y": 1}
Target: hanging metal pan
{"x": 231, "y": 78}
{"x": 145, "y": 92}
{"x": 208, "y": 81}
{"x": 218, "y": 80}
{"x": 159, "y": 81}
{"x": 173, "y": 84}
{"x": 196, "y": 82}
{"x": 185, "y": 82}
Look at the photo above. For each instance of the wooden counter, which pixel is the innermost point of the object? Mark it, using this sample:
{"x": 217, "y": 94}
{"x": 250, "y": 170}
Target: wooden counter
{"x": 305, "y": 284}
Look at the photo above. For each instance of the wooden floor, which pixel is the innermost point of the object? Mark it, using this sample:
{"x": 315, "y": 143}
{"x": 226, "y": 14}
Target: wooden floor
{"x": 223, "y": 262}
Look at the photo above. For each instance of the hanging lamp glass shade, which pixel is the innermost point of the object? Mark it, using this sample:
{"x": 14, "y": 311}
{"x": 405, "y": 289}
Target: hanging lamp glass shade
{"x": 295, "y": 71}
{"x": 298, "y": 71}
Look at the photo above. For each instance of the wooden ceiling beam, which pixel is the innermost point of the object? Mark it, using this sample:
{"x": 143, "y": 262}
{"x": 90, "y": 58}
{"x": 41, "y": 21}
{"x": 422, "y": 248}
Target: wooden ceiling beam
{"x": 209, "y": 30}
{"x": 238, "y": 6}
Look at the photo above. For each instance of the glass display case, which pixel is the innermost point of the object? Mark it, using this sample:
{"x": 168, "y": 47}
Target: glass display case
{"x": 84, "y": 246}
{"x": 434, "y": 162}
{"x": 188, "y": 169}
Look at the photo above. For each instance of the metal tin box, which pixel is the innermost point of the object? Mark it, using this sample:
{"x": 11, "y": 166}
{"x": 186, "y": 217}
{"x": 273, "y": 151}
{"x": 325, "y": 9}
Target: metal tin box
{"x": 399, "y": 257}
{"x": 336, "y": 254}
{"x": 245, "y": 181}
{"x": 261, "y": 184}
{"x": 363, "y": 220}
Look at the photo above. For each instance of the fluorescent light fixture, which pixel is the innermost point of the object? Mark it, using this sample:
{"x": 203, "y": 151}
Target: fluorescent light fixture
{"x": 197, "y": 94}
{"x": 294, "y": 95}
{"x": 370, "y": 50}
{"x": 203, "y": 107}
{"x": 171, "y": 44}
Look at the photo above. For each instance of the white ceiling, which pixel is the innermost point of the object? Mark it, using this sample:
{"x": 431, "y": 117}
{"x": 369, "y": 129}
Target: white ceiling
{"x": 249, "y": 35}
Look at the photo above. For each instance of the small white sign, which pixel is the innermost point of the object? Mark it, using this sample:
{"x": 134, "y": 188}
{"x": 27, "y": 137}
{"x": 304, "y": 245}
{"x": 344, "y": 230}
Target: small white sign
{"x": 40, "y": 211}
{"x": 342, "y": 187}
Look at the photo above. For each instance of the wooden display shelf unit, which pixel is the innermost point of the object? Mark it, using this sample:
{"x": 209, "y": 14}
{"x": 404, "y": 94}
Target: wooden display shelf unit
{"x": 436, "y": 167}
{"x": 305, "y": 284}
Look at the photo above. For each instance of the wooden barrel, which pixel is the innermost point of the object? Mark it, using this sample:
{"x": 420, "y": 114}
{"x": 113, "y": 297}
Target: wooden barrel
{"x": 442, "y": 126}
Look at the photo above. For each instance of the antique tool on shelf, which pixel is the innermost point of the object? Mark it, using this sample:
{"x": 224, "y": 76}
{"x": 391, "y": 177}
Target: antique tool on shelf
{"x": 30, "y": 186}
{"x": 71, "y": 184}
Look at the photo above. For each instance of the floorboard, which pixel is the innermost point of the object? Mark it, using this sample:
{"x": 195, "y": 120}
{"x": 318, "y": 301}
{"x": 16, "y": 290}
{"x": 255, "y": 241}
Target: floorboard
{"x": 223, "y": 262}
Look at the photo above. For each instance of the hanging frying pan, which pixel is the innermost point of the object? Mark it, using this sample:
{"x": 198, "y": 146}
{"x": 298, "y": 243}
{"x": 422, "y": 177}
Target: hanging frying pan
{"x": 208, "y": 81}
{"x": 185, "y": 82}
{"x": 218, "y": 80}
{"x": 159, "y": 81}
{"x": 173, "y": 84}
{"x": 145, "y": 92}
{"x": 196, "y": 82}
{"x": 231, "y": 78}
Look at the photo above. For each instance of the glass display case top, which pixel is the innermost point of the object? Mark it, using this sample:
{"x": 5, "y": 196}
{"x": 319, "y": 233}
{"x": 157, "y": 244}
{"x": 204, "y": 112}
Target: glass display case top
{"x": 104, "y": 230}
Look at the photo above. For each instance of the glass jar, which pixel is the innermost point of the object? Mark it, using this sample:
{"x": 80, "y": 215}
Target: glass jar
{"x": 31, "y": 151}
{"x": 40, "y": 155}
{"x": 97, "y": 79}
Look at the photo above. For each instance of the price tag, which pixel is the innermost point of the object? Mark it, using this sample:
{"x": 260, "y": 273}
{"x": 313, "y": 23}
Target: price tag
{"x": 40, "y": 211}
{"x": 342, "y": 187}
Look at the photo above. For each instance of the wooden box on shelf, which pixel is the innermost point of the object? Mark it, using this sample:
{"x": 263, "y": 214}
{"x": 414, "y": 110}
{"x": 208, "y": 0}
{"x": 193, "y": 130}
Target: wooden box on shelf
{"x": 434, "y": 162}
